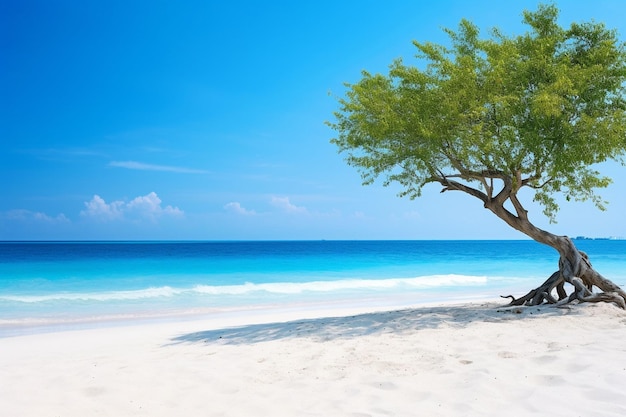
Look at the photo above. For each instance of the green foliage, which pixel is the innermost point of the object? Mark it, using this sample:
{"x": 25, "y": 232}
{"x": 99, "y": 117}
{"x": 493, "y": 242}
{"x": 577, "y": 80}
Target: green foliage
{"x": 538, "y": 110}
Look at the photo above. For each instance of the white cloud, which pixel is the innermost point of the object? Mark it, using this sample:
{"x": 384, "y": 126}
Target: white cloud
{"x": 142, "y": 207}
{"x": 150, "y": 206}
{"x": 284, "y": 204}
{"x": 27, "y": 215}
{"x": 151, "y": 167}
{"x": 235, "y": 207}
{"x": 99, "y": 209}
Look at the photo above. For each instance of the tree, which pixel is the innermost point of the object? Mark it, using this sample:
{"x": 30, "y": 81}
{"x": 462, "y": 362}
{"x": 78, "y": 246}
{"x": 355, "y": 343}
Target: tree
{"x": 491, "y": 117}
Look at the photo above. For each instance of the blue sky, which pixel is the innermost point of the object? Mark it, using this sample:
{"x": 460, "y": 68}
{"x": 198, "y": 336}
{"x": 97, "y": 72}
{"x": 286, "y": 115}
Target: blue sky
{"x": 205, "y": 120}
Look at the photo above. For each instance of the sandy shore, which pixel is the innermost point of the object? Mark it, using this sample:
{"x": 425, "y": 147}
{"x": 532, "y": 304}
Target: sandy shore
{"x": 461, "y": 360}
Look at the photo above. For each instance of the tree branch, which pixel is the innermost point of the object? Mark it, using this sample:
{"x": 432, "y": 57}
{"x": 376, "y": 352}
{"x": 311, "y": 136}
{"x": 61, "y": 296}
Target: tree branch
{"x": 522, "y": 213}
{"x": 527, "y": 182}
{"x": 454, "y": 185}
{"x": 488, "y": 187}
{"x": 505, "y": 192}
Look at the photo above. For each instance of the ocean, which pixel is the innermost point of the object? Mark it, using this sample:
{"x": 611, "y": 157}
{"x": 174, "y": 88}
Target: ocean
{"x": 48, "y": 285}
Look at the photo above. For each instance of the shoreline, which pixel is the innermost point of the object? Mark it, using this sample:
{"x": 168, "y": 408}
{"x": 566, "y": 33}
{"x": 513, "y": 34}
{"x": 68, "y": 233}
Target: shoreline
{"x": 459, "y": 359}
{"x": 240, "y": 314}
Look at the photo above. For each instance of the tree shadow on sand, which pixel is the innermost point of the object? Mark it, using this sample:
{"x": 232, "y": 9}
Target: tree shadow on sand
{"x": 396, "y": 322}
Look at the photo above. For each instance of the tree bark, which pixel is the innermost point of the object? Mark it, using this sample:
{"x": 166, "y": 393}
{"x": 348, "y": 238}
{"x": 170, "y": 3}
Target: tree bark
{"x": 574, "y": 265}
{"x": 575, "y": 269}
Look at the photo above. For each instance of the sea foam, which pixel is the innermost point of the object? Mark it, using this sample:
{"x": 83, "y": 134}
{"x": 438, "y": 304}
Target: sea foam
{"x": 424, "y": 282}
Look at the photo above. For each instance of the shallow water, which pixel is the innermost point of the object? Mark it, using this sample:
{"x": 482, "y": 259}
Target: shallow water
{"x": 71, "y": 282}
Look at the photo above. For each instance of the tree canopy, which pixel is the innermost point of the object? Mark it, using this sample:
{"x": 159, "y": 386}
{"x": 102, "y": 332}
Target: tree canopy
{"x": 491, "y": 115}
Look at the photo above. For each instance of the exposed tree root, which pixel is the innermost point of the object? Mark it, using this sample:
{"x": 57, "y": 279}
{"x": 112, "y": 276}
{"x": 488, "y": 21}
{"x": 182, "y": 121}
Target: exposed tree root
{"x": 541, "y": 293}
{"x": 581, "y": 293}
{"x": 574, "y": 269}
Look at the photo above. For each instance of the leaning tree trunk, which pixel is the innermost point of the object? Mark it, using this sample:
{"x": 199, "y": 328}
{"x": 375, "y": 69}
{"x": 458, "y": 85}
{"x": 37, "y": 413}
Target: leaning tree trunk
{"x": 574, "y": 269}
{"x": 574, "y": 265}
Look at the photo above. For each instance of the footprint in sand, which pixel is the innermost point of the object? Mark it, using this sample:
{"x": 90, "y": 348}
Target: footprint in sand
{"x": 548, "y": 380}
{"x": 507, "y": 355}
{"x": 545, "y": 359}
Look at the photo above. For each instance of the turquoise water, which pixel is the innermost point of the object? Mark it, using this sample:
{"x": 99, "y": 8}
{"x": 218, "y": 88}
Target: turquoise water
{"x": 44, "y": 283}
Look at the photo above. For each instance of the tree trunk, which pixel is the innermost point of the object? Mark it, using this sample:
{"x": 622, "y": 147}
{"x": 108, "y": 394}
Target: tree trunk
{"x": 574, "y": 269}
{"x": 574, "y": 266}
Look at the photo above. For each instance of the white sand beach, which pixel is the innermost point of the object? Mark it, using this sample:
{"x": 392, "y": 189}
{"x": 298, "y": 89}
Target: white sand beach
{"x": 450, "y": 360}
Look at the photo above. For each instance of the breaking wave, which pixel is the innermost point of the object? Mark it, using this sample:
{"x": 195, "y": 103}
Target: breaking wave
{"x": 425, "y": 282}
